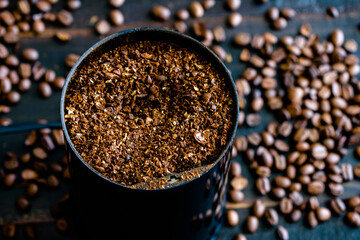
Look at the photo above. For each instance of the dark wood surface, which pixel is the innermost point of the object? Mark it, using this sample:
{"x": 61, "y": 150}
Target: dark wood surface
{"x": 136, "y": 13}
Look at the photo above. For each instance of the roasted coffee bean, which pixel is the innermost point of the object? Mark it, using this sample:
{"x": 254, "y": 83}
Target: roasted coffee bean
{"x": 39, "y": 153}
{"x": 235, "y": 169}
{"x": 232, "y": 218}
{"x": 219, "y": 34}
{"x": 32, "y": 189}
{"x": 38, "y": 26}
{"x": 25, "y": 70}
{"x": 253, "y": 119}
{"x": 282, "y": 181}
{"x": 45, "y": 90}
{"x": 336, "y": 189}
{"x": 272, "y": 217}
{"x": 242, "y": 39}
{"x": 288, "y": 13}
{"x": 59, "y": 83}
{"x": 258, "y": 208}
{"x": 71, "y": 59}
{"x": 263, "y": 185}
{"x": 11, "y": 60}
{"x": 8, "y": 230}
{"x": 11, "y": 164}
{"x": 263, "y": 171}
{"x": 318, "y": 151}
{"x": 58, "y": 137}
{"x": 353, "y": 201}
{"x": 233, "y": 4}
{"x": 357, "y": 170}
{"x": 102, "y": 27}
{"x": 332, "y": 12}
{"x": 29, "y": 174}
{"x": 312, "y": 220}
{"x": 239, "y": 237}
{"x": 116, "y": 3}
{"x": 30, "y": 54}
{"x": 353, "y": 218}
{"x": 351, "y": 45}
{"x": 323, "y": 214}
{"x": 196, "y": 9}
{"x": 65, "y": 17}
{"x": 73, "y": 4}
{"x": 161, "y": 13}
{"x": 315, "y": 187}
{"x": 13, "y": 97}
{"x": 5, "y": 85}
{"x": 4, "y": 109}
{"x": 280, "y": 145}
{"x": 280, "y": 23}
{"x": 182, "y": 14}
{"x": 296, "y": 215}
{"x": 63, "y": 36}
{"x": 22, "y": 204}
{"x": 241, "y": 143}
{"x": 116, "y": 17}
{"x": 53, "y": 181}
{"x": 278, "y": 193}
{"x": 338, "y": 206}
{"x": 234, "y": 19}
{"x": 236, "y": 196}
{"x": 219, "y": 51}
{"x": 5, "y": 121}
{"x": 282, "y": 233}
{"x": 286, "y": 206}
{"x": 252, "y": 224}
{"x": 61, "y": 225}
{"x": 305, "y": 29}
{"x": 347, "y": 171}
{"x": 239, "y": 183}
{"x": 273, "y": 13}
{"x": 9, "y": 179}
{"x": 337, "y": 37}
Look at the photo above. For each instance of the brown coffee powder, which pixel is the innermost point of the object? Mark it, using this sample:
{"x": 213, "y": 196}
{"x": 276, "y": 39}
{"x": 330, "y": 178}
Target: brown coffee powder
{"x": 147, "y": 110}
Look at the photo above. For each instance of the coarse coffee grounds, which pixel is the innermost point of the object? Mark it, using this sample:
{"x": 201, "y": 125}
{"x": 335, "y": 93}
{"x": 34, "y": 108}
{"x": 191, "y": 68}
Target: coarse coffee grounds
{"x": 147, "y": 110}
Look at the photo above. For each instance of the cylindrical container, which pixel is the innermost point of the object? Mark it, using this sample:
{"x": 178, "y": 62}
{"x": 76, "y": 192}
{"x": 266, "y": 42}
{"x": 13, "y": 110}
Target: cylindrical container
{"x": 104, "y": 209}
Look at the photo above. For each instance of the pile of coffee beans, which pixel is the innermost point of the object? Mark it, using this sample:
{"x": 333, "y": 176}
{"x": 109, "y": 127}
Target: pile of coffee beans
{"x": 35, "y": 171}
{"x": 311, "y": 86}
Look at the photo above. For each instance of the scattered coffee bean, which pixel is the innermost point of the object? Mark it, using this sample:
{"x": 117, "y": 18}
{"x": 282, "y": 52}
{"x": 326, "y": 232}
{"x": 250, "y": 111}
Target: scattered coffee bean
{"x": 282, "y": 233}
{"x": 102, "y": 27}
{"x": 63, "y": 36}
{"x": 232, "y": 218}
{"x": 271, "y": 217}
{"x": 239, "y": 236}
{"x": 30, "y": 54}
{"x": 353, "y": 218}
{"x": 161, "y": 13}
{"x": 332, "y": 12}
{"x": 116, "y": 17}
{"x": 65, "y": 17}
{"x": 116, "y": 3}
{"x": 233, "y": 5}
{"x": 288, "y": 13}
{"x": 61, "y": 225}
{"x": 236, "y": 196}
{"x": 312, "y": 220}
{"x": 258, "y": 208}
{"x": 22, "y": 204}
{"x": 196, "y": 9}
{"x": 252, "y": 224}
{"x": 32, "y": 189}
{"x": 8, "y": 230}
{"x": 323, "y": 214}
{"x": 29, "y": 174}
{"x": 234, "y": 19}
{"x": 45, "y": 90}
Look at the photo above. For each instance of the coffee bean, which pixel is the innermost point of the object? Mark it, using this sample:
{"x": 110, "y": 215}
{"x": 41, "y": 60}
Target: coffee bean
{"x": 232, "y": 218}
{"x": 252, "y": 224}
{"x": 39, "y": 153}
{"x": 318, "y": 151}
{"x": 286, "y": 206}
{"x": 357, "y": 170}
{"x": 196, "y": 9}
{"x": 288, "y": 13}
{"x": 53, "y": 181}
{"x": 263, "y": 171}
{"x": 236, "y": 196}
{"x": 315, "y": 187}
{"x": 353, "y": 218}
{"x": 323, "y": 214}
{"x": 65, "y": 17}
{"x": 59, "y": 83}
{"x": 273, "y": 13}
{"x": 219, "y": 34}
{"x": 5, "y": 85}
{"x": 239, "y": 183}
{"x": 219, "y": 51}
{"x": 63, "y": 36}
{"x": 45, "y": 90}
{"x": 234, "y": 19}
{"x": 13, "y": 97}
{"x": 305, "y": 29}
{"x": 353, "y": 201}
{"x": 11, "y": 60}
{"x": 233, "y": 5}
{"x": 73, "y": 4}
{"x": 280, "y": 23}
{"x": 116, "y": 3}
{"x": 241, "y": 143}
{"x": 24, "y": 85}
{"x": 25, "y": 158}
{"x": 296, "y": 215}
{"x": 271, "y": 217}
{"x": 253, "y": 119}
{"x": 332, "y": 12}
{"x": 235, "y": 169}
{"x": 351, "y": 45}
{"x": 61, "y": 225}
{"x": 337, "y": 37}
{"x": 242, "y": 39}
{"x": 239, "y": 236}
{"x": 116, "y": 17}
{"x": 338, "y": 206}
{"x": 4, "y": 109}
{"x": 25, "y": 70}
{"x": 282, "y": 146}
{"x": 38, "y": 26}
{"x": 258, "y": 208}
{"x": 182, "y": 14}
{"x": 282, "y": 181}
{"x": 278, "y": 193}
{"x": 32, "y": 189}
{"x": 161, "y": 13}
{"x": 312, "y": 220}
{"x": 29, "y": 174}
{"x": 336, "y": 189}
{"x": 22, "y": 204}
{"x": 263, "y": 185}
{"x": 282, "y": 233}
{"x": 347, "y": 171}
{"x": 102, "y": 27}
{"x": 9, "y": 179}
{"x": 8, "y": 230}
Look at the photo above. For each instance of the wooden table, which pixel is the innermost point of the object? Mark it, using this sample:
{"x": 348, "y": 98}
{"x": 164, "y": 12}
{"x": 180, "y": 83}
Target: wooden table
{"x": 136, "y": 13}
